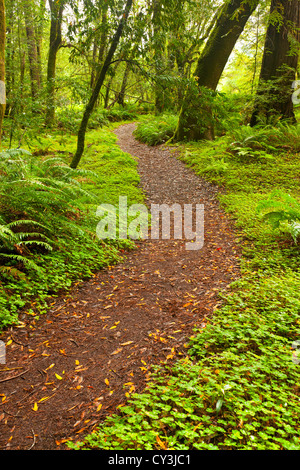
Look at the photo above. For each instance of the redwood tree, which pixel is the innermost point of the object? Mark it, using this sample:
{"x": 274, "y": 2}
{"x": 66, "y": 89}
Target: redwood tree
{"x": 279, "y": 63}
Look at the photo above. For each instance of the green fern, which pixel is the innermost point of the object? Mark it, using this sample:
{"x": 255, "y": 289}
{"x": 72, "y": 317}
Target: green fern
{"x": 281, "y": 210}
{"x": 39, "y": 201}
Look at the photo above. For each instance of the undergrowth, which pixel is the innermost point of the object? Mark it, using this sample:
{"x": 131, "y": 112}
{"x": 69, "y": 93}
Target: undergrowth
{"x": 238, "y": 387}
{"x": 156, "y": 129}
{"x": 48, "y": 216}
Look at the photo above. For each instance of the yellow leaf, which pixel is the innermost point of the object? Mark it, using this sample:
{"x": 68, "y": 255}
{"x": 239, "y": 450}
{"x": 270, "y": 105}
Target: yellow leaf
{"x": 116, "y": 351}
{"x": 43, "y": 399}
{"x": 163, "y": 340}
{"x": 99, "y": 407}
{"x": 58, "y": 377}
{"x": 77, "y": 362}
{"x": 9, "y": 342}
{"x": 126, "y": 344}
{"x": 35, "y": 407}
{"x": 106, "y": 381}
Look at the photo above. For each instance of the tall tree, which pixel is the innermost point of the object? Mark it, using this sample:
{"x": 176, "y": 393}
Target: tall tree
{"x": 55, "y": 41}
{"x": 32, "y": 46}
{"x": 279, "y": 63}
{"x": 2, "y": 63}
{"x": 100, "y": 79}
{"x": 195, "y": 122}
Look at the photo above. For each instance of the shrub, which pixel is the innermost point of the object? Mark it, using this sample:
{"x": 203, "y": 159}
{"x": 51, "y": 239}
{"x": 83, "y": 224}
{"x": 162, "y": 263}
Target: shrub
{"x": 157, "y": 129}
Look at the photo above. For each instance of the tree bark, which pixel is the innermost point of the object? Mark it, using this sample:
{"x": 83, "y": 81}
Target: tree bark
{"x": 32, "y": 50}
{"x": 2, "y": 63}
{"x": 55, "y": 41}
{"x": 229, "y": 25}
{"x": 279, "y": 64}
{"x": 90, "y": 105}
{"x": 121, "y": 95}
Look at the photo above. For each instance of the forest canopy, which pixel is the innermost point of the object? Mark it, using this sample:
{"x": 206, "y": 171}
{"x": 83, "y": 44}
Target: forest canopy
{"x": 63, "y": 60}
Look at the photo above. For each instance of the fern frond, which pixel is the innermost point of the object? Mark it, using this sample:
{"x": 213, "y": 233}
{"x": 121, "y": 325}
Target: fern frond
{"x": 28, "y": 263}
{"x": 37, "y": 243}
{"x": 14, "y": 272}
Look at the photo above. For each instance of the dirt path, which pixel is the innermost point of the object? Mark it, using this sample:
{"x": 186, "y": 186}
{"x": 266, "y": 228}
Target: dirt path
{"x": 66, "y": 372}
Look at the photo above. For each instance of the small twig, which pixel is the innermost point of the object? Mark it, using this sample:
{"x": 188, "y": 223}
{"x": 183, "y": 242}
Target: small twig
{"x": 18, "y": 342}
{"x": 15, "y": 377}
{"x": 10, "y": 414}
{"x": 34, "y": 440}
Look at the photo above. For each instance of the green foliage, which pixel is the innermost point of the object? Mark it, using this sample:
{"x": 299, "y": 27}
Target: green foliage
{"x": 157, "y": 129}
{"x": 48, "y": 217}
{"x": 237, "y": 388}
{"x": 282, "y": 211}
{"x": 69, "y": 118}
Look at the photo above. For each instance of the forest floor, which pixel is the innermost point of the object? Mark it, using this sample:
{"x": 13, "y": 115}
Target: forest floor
{"x": 96, "y": 345}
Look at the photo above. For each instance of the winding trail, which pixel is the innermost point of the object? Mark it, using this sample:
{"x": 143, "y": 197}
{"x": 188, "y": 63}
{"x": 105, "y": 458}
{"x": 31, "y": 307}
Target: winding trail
{"x": 70, "y": 369}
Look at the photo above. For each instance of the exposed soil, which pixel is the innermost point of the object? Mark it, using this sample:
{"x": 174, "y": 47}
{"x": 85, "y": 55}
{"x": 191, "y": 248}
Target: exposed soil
{"x": 70, "y": 369}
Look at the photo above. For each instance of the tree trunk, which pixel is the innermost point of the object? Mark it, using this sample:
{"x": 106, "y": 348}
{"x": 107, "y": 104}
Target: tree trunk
{"x": 39, "y": 29}
{"x": 195, "y": 120}
{"x": 159, "y": 56}
{"x": 55, "y": 41}
{"x": 32, "y": 50}
{"x": 99, "y": 46}
{"x": 121, "y": 95}
{"x": 90, "y": 105}
{"x": 9, "y": 59}
{"x": 279, "y": 64}
{"x": 2, "y": 63}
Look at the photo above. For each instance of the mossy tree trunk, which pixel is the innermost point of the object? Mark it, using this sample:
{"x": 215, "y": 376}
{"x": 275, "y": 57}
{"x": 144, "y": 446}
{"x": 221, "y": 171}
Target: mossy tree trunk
{"x": 55, "y": 41}
{"x": 279, "y": 63}
{"x": 195, "y": 120}
{"x": 32, "y": 47}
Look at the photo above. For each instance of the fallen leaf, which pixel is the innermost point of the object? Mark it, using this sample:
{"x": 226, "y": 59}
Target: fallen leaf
{"x": 43, "y": 399}
{"x": 116, "y": 351}
{"x": 161, "y": 443}
{"x": 35, "y": 407}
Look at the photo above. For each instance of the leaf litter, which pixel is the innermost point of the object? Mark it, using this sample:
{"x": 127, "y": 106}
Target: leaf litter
{"x": 74, "y": 366}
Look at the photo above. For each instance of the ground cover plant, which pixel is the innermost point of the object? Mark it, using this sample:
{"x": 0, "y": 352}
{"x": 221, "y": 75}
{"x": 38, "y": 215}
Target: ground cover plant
{"x": 238, "y": 386}
{"x": 68, "y": 69}
{"x": 156, "y": 130}
{"x": 48, "y": 216}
